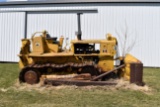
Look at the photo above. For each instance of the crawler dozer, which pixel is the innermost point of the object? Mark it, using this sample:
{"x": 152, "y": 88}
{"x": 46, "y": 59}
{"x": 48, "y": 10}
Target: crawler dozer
{"x": 43, "y": 55}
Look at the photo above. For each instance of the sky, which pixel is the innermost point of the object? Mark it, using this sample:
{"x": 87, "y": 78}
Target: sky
{"x": 2, "y": 0}
{"x": 17, "y": 0}
{"x": 11, "y": 0}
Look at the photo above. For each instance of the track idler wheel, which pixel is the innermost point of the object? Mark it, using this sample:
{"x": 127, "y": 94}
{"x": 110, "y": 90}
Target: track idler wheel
{"x": 31, "y": 77}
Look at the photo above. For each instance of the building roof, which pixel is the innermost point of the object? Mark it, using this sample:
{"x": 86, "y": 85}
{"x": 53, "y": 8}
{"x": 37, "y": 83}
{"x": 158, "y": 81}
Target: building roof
{"x": 32, "y": 2}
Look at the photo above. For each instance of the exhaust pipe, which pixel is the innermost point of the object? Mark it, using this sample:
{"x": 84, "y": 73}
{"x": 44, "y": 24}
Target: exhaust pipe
{"x": 79, "y": 33}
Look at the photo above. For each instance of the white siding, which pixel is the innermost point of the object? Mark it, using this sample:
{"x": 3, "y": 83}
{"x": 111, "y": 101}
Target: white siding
{"x": 142, "y": 21}
{"x": 11, "y": 31}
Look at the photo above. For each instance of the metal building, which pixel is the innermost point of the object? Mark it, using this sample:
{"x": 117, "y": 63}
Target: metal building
{"x": 136, "y": 20}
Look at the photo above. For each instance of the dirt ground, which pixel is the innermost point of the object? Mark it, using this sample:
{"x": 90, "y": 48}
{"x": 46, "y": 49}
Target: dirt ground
{"x": 121, "y": 84}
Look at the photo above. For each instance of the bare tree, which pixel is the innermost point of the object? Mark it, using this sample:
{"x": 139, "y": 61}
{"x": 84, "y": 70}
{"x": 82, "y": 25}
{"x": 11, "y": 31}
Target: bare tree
{"x": 127, "y": 39}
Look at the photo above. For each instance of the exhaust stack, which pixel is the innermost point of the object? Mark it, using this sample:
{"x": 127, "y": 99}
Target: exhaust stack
{"x": 79, "y": 33}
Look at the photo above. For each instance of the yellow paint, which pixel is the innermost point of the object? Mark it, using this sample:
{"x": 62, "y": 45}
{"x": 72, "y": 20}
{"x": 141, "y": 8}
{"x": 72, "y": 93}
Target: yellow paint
{"x": 38, "y": 45}
{"x": 106, "y": 63}
{"x": 48, "y": 50}
{"x": 128, "y": 60}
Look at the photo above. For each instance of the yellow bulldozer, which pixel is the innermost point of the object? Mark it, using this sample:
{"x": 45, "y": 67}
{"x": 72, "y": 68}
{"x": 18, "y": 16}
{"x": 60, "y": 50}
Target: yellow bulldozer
{"x": 44, "y": 55}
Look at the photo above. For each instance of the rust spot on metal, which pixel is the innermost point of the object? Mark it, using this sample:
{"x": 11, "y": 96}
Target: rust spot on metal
{"x": 31, "y": 77}
{"x": 87, "y": 70}
{"x": 56, "y": 82}
{"x": 136, "y": 73}
{"x": 84, "y": 76}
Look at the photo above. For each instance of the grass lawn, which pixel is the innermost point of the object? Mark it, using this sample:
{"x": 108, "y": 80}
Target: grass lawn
{"x": 13, "y": 95}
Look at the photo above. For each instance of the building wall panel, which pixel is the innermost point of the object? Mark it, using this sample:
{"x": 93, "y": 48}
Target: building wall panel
{"x": 11, "y": 32}
{"x": 138, "y": 23}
